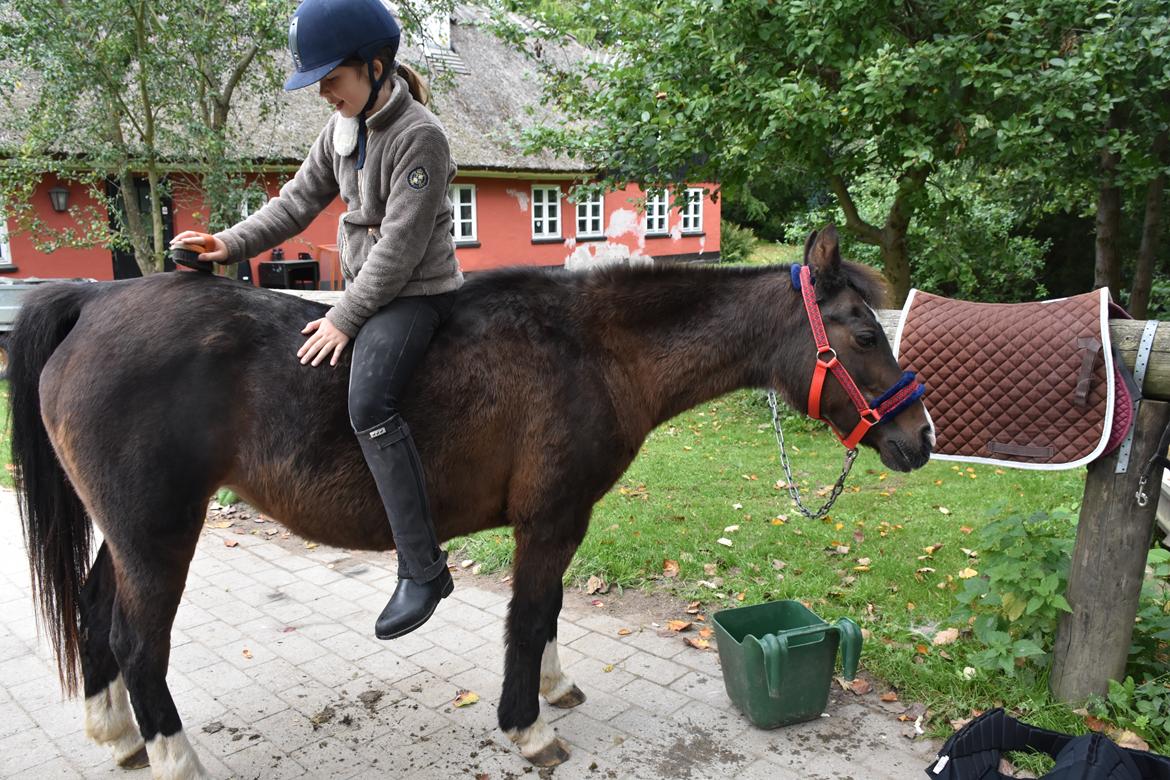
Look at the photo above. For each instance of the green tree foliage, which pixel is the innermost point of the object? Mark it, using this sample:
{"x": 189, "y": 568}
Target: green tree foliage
{"x": 107, "y": 90}
{"x": 851, "y": 94}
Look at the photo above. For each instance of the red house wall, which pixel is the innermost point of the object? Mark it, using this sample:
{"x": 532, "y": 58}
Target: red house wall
{"x": 504, "y": 228}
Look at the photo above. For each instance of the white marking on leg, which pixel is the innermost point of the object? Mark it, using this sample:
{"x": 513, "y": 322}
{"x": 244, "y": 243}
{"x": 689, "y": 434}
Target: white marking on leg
{"x": 110, "y": 721}
{"x": 533, "y": 739}
{"x": 173, "y": 758}
{"x": 554, "y": 683}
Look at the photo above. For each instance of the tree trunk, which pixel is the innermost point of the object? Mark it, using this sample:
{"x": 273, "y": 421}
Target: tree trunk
{"x": 896, "y": 266}
{"x": 895, "y": 259}
{"x": 158, "y": 247}
{"x": 140, "y": 242}
{"x": 1139, "y": 297}
{"x": 1107, "y": 271}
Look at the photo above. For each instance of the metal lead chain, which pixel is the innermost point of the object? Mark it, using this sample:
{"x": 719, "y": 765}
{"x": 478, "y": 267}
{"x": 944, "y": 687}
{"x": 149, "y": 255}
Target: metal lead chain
{"x": 793, "y": 490}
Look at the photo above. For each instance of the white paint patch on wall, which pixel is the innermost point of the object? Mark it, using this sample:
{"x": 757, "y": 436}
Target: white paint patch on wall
{"x": 702, "y": 244}
{"x": 676, "y": 232}
{"x": 571, "y": 243}
{"x": 521, "y": 198}
{"x": 624, "y": 221}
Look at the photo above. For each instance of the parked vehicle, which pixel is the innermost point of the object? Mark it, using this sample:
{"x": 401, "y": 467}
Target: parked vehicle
{"x": 11, "y": 293}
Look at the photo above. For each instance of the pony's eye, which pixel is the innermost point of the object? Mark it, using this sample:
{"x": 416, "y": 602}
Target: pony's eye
{"x": 866, "y": 339}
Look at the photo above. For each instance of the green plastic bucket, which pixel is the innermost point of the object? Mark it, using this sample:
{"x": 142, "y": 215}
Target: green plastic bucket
{"x": 778, "y": 660}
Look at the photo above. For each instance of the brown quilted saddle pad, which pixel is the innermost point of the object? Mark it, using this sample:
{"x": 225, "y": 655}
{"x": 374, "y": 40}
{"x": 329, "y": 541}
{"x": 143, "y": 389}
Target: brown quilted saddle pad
{"x": 1029, "y": 385}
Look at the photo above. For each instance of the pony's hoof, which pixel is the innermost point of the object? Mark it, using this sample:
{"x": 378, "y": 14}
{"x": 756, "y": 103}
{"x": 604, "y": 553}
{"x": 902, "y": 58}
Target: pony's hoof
{"x": 138, "y": 760}
{"x": 552, "y": 754}
{"x": 571, "y": 699}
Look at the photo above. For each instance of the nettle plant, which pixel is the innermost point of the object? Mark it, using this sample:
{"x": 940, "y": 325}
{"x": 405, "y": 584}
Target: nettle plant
{"x": 1014, "y": 606}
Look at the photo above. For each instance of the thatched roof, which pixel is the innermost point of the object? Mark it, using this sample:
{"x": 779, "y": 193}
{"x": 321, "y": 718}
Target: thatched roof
{"x": 484, "y": 92}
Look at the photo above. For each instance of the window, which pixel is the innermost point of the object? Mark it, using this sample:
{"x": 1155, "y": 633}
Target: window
{"x": 546, "y": 212}
{"x": 252, "y": 202}
{"x": 463, "y": 213}
{"x": 5, "y": 248}
{"x": 692, "y": 211}
{"x": 657, "y": 204}
{"x": 590, "y": 220}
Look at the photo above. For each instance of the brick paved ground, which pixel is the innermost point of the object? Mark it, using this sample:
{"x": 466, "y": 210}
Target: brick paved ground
{"x": 316, "y": 696}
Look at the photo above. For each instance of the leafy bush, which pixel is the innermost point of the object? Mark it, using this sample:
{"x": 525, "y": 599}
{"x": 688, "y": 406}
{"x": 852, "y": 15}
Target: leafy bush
{"x": 735, "y": 243}
{"x": 1149, "y": 655}
{"x": 1143, "y": 708}
{"x": 1015, "y": 602}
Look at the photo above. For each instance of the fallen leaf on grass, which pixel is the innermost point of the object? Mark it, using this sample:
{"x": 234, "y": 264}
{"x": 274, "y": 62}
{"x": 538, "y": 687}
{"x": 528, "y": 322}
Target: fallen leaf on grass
{"x": 860, "y": 687}
{"x": 230, "y": 543}
{"x": 889, "y": 696}
{"x": 679, "y": 625}
{"x": 624, "y": 632}
{"x": 966, "y": 529}
{"x": 778, "y": 564}
{"x": 731, "y": 529}
{"x": 597, "y": 603}
{"x": 595, "y": 585}
{"x": 945, "y": 637}
{"x": 669, "y": 568}
{"x": 932, "y": 549}
{"x": 1094, "y": 723}
{"x": 968, "y": 573}
{"x": 944, "y": 510}
{"x": 706, "y": 633}
{"x": 694, "y": 607}
{"x": 698, "y": 644}
{"x": 710, "y": 568}
{"x": 1127, "y": 739}
{"x": 723, "y": 540}
{"x": 464, "y": 697}
{"x": 466, "y": 564}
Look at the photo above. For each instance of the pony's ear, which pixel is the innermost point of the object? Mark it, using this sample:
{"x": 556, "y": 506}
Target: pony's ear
{"x": 823, "y": 255}
{"x": 808, "y": 245}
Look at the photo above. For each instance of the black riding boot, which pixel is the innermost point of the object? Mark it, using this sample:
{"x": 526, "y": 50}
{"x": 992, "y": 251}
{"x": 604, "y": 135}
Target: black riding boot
{"x": 423, "y": 579}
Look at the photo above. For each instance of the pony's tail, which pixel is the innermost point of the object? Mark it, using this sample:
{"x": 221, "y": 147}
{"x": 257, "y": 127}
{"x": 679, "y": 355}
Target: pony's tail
{"x": 57, "y": 531}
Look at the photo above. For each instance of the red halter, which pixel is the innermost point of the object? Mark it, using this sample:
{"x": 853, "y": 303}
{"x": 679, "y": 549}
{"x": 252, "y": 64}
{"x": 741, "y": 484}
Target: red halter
{"x": 894, "y": 400}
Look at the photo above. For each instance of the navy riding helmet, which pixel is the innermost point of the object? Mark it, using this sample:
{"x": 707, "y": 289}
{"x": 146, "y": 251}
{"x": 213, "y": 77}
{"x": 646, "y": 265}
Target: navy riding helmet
{"x": 325, "y": 33}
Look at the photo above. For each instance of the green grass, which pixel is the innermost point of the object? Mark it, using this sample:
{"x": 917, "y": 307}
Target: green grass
{"x": 768, "y": 253}
{"x": 717, "y": 466}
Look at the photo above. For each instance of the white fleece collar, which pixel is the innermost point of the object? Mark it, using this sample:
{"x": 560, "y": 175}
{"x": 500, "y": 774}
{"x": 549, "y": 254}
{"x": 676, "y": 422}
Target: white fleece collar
{"x": 345, "y": 131}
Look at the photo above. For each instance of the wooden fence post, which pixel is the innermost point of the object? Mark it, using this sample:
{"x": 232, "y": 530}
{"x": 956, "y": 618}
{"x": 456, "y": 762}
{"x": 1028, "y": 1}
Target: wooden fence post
{"x": 1108, "y": 563}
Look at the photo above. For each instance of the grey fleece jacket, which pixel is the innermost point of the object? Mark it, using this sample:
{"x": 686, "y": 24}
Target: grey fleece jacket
{"x": 395, "y": 236}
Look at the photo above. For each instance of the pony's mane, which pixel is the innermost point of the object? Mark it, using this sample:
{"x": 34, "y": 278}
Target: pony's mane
{"x": 676, "y": 277}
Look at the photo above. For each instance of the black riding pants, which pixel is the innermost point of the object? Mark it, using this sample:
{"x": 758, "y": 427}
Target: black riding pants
{"x": 387, "y": 350}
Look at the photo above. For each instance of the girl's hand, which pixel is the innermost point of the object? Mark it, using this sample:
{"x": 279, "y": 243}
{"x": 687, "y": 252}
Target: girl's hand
{"x": 189, "y": 239}
{"x": 326, "y": 340}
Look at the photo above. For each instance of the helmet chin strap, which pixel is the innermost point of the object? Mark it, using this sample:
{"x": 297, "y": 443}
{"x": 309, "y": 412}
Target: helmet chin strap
{"x": 375, "y": 88}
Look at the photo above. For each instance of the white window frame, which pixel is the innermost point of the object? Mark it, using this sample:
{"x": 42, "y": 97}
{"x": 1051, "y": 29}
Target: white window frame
{"x": 546, "y": 209}
{"x": 692, "y": 211}
{"x": 5, "y": 246}
{"x": 591, "y": 210}
{"x": 657, "y": 214}
{"x": 252, "y": 198}
{"x": 459, "y": 230}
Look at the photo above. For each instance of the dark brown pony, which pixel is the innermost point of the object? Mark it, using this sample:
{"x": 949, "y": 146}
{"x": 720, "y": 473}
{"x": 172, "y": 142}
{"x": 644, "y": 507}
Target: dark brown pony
{"x": 133, "y": 401}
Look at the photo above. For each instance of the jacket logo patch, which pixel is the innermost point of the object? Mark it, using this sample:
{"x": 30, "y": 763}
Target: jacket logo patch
{"x": 418, "y": 178}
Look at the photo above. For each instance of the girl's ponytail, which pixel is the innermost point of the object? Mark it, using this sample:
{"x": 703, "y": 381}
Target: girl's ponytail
{"x": 418, "y": 85}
